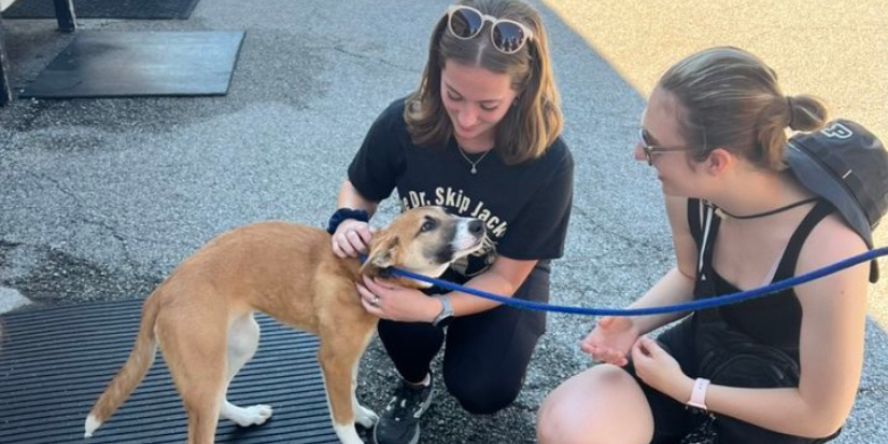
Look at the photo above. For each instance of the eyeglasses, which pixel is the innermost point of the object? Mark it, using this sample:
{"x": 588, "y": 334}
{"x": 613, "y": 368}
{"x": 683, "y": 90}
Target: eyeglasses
{"x": 466, "y": 22}
{"x": 650, "y": 150}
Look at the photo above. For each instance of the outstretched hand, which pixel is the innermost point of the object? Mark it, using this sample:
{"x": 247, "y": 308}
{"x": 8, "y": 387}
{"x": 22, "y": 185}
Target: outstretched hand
{"x": 611, "y": 340}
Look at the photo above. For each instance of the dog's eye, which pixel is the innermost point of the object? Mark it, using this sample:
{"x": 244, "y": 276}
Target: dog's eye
{"x": 428, "y": 225}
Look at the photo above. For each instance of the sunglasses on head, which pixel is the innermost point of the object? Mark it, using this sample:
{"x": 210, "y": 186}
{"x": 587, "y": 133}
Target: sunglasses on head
{"x": 466, "y": 22}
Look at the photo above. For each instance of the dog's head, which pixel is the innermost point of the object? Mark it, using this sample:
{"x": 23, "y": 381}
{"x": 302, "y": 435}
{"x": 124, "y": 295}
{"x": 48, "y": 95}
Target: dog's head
{"x": 424, "y": 240}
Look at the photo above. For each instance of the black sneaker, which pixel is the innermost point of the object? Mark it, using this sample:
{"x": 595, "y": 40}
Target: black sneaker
{"x": 399, "y": 422}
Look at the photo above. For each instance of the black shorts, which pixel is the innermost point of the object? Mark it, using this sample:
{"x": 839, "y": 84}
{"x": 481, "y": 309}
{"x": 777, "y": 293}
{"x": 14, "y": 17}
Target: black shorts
{"x": 673, "y": 420}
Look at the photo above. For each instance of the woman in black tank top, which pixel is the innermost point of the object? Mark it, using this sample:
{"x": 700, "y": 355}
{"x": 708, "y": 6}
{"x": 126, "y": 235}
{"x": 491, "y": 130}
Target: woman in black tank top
{"x": 781, "y": 369}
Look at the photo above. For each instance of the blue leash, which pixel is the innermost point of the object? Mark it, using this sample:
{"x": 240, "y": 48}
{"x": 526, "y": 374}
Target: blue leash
{"x": 674, "y": 308}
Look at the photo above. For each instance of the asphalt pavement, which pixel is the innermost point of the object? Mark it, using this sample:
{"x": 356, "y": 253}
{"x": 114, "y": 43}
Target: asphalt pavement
{"x": 101, "y": 198}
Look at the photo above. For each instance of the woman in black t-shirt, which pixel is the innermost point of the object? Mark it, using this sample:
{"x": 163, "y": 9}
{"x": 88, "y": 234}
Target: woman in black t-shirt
{"x": 480, "y": 136}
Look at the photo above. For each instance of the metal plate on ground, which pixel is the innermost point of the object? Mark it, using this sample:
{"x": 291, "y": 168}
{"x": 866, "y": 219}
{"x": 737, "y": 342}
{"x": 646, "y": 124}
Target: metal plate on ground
{"x": 106, "y": 9}
{"x": 55, "y": 362}
{"x": 128, "y": 64}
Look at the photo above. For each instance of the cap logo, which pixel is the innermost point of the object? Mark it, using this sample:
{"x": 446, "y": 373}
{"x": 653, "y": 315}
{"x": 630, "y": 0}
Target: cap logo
{"x": 837, "y": 131}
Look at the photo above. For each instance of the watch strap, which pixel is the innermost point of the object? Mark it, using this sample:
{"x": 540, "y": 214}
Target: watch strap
{"x": 698, "y": 394}
{"x": 446, "y": 312}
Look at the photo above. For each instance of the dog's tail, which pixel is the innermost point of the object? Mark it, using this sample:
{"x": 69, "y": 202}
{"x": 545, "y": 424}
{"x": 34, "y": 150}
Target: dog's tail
{"x": 130, "y": 375}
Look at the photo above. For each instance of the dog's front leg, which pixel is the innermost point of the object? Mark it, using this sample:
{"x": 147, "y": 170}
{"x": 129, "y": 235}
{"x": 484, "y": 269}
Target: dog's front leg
{"x": 363, "y": 415}
{"x": 337, "y": 358}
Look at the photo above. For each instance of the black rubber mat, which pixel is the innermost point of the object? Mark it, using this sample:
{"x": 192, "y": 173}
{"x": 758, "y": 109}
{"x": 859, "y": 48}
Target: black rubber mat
{"x": 106, "y": 9}
{"x": 127, "y": 64}
{"x": 55, "y": 363}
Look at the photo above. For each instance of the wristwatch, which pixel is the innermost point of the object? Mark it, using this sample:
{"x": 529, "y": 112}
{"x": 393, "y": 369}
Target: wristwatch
{"x": 446, "y": 313}
{"x": 698, "y": 394}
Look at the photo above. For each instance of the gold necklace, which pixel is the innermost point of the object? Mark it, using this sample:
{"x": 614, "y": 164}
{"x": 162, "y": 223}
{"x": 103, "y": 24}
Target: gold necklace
{"x": 475, "y": 163}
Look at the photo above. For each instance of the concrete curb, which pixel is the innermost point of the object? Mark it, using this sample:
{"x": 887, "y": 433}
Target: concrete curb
{"x": 10, "y": 299}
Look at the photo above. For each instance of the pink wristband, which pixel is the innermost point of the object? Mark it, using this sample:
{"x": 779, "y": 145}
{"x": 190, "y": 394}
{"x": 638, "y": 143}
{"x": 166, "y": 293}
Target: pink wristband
{"x": 698, "y": 394}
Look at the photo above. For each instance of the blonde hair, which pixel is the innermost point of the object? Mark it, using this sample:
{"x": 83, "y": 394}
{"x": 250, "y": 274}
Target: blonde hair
{"x": 732, "y": 100}
{"x": 528, "y": 127}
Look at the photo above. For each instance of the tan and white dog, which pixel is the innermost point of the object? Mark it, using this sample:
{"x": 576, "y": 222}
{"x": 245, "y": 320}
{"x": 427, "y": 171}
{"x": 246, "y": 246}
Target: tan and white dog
{"x": 201, "y": 316}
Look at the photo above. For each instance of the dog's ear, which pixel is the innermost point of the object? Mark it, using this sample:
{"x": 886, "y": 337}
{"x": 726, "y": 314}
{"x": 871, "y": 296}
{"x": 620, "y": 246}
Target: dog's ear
{"x": 383, "y": 254}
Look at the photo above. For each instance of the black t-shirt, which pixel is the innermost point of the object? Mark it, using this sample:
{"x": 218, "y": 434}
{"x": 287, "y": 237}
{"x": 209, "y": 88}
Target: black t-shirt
{"x": 526, "y": 207}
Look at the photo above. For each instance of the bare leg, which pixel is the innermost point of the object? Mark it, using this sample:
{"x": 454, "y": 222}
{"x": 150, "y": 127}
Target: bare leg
{"x": 601, "y": 405}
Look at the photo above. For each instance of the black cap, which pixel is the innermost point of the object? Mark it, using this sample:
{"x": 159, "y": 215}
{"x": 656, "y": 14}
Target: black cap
{"x": 848, "y": 166}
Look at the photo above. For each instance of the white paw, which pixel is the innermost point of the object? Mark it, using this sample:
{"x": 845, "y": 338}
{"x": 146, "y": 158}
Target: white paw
{"x": 254, "y": 415}
{"x": 365, "y": 416}
{"x": 347, "y": 434}
{"x": 91, "y": 425}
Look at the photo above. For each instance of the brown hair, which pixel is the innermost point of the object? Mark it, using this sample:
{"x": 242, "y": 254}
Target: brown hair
{"x": 529, "y": 126}
{"x": 732, "y": 100}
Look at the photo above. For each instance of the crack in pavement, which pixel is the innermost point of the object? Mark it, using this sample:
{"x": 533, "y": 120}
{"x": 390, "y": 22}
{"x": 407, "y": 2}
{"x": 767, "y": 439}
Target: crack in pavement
{"x": 85, "y": 217}
{"x": 58, "y": 277}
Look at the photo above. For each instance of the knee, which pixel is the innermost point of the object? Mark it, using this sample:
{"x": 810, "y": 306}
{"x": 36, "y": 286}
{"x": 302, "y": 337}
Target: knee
{"x": 547, "y": 428}
{"x": 600, "y": 405}
{"x": 483, "y": 397}
{"x": 556, "y": 422}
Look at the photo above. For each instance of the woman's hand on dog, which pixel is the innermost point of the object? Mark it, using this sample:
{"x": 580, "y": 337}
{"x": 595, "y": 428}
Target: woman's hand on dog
{"x": 388, "y": 300}
{"x": 351, "y": 238}
{"x": 611, "y": 340}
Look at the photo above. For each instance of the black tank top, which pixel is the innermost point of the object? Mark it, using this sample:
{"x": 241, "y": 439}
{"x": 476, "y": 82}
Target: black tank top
{"x": 774, "y": 319}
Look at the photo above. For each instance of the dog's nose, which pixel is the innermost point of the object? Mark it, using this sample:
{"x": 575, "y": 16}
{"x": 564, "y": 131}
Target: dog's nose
{"x": 476, "y": 227}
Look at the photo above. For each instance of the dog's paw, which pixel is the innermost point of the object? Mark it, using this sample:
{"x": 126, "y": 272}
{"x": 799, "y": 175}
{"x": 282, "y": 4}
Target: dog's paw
{"x": 347, "y": 434}
{"x": 248, "y": 416}
{"x": 258, "y": 414}
{"x": 365, "y": 417}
